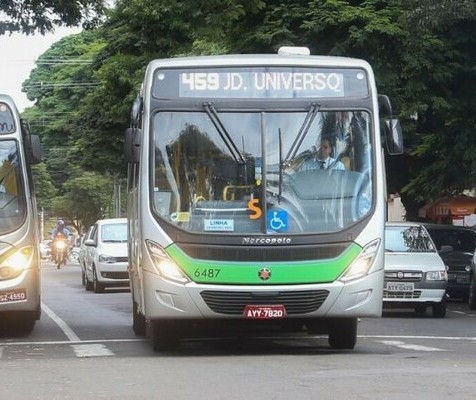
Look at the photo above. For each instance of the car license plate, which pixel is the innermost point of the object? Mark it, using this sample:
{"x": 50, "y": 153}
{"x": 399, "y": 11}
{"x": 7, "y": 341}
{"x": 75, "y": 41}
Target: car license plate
{"x": 11, "y": 296}
{"x": 400, "y": 287}
{"x": 264, "y": 311}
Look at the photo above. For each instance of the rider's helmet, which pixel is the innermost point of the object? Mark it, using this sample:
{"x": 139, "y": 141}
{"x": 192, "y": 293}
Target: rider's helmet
{"x": 60, "y": 225}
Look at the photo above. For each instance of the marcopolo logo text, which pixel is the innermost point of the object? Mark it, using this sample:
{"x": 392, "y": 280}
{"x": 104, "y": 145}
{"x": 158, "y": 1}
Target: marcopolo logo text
{"x": 267, "y": 240}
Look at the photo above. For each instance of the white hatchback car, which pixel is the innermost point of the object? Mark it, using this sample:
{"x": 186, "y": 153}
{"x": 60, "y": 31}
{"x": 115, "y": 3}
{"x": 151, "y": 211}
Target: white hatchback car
{"x": 415, "y": 274}
{"x": 106, "y": 256}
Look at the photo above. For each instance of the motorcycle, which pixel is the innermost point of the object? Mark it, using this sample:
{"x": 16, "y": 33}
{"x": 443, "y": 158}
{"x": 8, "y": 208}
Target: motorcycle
{"x": 60, "y": 252}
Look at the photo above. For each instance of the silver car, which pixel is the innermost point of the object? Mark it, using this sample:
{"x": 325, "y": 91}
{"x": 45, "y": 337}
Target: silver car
{"x": 415, "y": 274}
{"x": 106, "y": 256}
{"x": 83, "y": 249}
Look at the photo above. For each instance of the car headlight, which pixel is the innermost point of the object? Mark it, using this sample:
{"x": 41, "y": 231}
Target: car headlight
{"x": 436, "y": 276}
{"x": 362, "y": 263}
{"x": 164, "y": 265}
{"x": 13, "y": 263}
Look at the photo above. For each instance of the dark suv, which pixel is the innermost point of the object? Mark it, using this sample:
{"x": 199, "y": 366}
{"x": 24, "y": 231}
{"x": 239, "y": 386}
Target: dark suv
{"x": 456, "y": 245}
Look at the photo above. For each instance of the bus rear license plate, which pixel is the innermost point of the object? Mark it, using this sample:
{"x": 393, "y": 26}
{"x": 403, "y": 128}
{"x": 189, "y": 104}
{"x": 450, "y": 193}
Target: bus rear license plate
{"x": 264, "y": 311}
{"x": 400, "y": 287}
{"x": 10, "y": 296}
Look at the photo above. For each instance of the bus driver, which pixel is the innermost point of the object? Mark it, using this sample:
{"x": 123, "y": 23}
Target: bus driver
{"x": 321, "y": 158}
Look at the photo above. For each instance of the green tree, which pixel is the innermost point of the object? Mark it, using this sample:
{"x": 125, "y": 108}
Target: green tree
{"x": 60, "y": 83}
{"x": 87, "y": 198}
{"x": 42, "y": 16}
{"x": 44, "y": 189}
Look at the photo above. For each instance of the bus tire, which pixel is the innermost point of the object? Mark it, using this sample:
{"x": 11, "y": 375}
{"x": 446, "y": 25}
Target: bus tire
{"x": 164, "y": 335}
{"x": 343, "y": 333}
{"x": 138, "y": 320}
{"x": 20, "y": 324}
{"x": 472, "y": 295}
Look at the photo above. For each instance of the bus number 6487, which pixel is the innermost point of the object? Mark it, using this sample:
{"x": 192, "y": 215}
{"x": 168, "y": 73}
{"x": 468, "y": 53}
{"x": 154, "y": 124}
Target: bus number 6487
{"x": 206, "y": 273}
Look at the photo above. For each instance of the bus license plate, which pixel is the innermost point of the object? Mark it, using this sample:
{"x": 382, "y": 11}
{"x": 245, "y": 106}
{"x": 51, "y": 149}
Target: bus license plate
{"x": 264, "y": 311}
{"x": 11, "y": 296}
{"x": 400, "y": 287}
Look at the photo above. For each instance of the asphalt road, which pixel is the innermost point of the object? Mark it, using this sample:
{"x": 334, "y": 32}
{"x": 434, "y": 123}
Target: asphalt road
{"x": 83, "y": 347}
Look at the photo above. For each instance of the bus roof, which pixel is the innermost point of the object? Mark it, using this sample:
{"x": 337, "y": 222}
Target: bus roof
{"x": 6, "y": 99}
{"x": 259, "y": 59}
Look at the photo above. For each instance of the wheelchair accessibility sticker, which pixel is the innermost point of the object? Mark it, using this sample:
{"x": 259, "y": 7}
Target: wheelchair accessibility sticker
{"x": 277, "y": 221}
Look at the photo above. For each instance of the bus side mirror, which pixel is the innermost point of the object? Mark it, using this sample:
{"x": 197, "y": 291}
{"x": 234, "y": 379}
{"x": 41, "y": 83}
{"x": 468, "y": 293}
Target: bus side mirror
{"x": 384, "y": 106}
{"x": 34, "y": 149}
{"x": 132, "y": 145}
{"x": 393, "y": 136}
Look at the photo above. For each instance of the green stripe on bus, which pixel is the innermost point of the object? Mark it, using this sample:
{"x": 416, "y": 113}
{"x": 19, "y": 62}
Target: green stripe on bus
{"x": 247, "y": 273}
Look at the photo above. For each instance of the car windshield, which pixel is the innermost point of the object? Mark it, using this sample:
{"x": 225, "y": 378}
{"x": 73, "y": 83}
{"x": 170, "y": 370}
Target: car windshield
{"x": 414, "y": 239}
{"x": 460, "y": 240}
{"x": 12, "y": 196}
{"x": 260, "y": 172}
{"x": 114, "y": 233}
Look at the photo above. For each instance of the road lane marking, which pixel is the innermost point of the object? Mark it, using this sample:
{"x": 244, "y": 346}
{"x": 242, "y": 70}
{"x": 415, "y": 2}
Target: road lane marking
{"x": 59, "y": 342}
{"x": 63, "y": 325}
{"x": 406, "y": 346}
{"x": 469, "y": 338}
{"x": 91, "y": 350}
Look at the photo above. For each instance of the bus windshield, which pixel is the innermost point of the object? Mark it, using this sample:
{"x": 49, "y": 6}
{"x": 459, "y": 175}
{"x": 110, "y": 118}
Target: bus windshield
{"x": 12, "y": 204}
{"x": 262, "y": 172}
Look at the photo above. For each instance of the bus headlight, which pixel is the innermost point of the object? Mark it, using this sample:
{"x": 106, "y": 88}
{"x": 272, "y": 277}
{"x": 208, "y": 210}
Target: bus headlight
{"x": 164, "y": 265}
{"x": 13, "y": 263}
{"x": 361, "y": 265}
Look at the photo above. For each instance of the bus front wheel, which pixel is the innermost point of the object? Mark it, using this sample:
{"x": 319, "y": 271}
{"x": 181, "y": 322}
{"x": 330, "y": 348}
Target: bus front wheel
{"x": 165, "y": 335}
{"x": 138, "y": 320}
{"x": 343, "y": 333}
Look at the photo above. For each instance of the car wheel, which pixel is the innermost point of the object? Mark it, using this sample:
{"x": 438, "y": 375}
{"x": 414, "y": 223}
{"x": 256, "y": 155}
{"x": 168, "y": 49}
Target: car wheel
{"x": 138, "y": 320}
{"x": 439, "y": 309}
{"x": 97, "y": 286}
{"x": 343, "y": 333}
{"x": 472, "y": 295}
{"x": 88, "y": 285}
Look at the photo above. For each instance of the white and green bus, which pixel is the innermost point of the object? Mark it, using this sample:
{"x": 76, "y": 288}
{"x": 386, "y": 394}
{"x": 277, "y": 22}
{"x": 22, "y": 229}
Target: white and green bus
{"x": 232, "y": 222}
{"x": 20, "y": 304}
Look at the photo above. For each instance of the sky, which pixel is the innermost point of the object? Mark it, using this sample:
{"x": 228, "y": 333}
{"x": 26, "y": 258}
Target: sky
{"x": 18, "y": 53}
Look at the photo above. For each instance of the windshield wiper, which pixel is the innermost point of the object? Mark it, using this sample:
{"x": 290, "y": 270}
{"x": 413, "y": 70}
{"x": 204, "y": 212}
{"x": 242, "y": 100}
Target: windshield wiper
{"x": 311, "y": 114}
{"x": 235, "y": 152}
{"x": 280, "y": 182}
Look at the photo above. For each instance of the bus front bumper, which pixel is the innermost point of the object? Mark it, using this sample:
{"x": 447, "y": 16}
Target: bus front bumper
{"x": 168, "y": 300}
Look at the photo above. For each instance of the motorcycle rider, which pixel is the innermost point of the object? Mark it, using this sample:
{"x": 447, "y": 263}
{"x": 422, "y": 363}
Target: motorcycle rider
{"x": 60, "y": 232}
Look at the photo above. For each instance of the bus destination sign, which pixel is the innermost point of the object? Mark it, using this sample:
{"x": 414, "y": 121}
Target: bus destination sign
{"x": 256, "y": 82}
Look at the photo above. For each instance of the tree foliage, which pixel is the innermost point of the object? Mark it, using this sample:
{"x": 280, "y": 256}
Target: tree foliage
{"x": 43, "y": 15}
{"x": 87, "y": 198}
